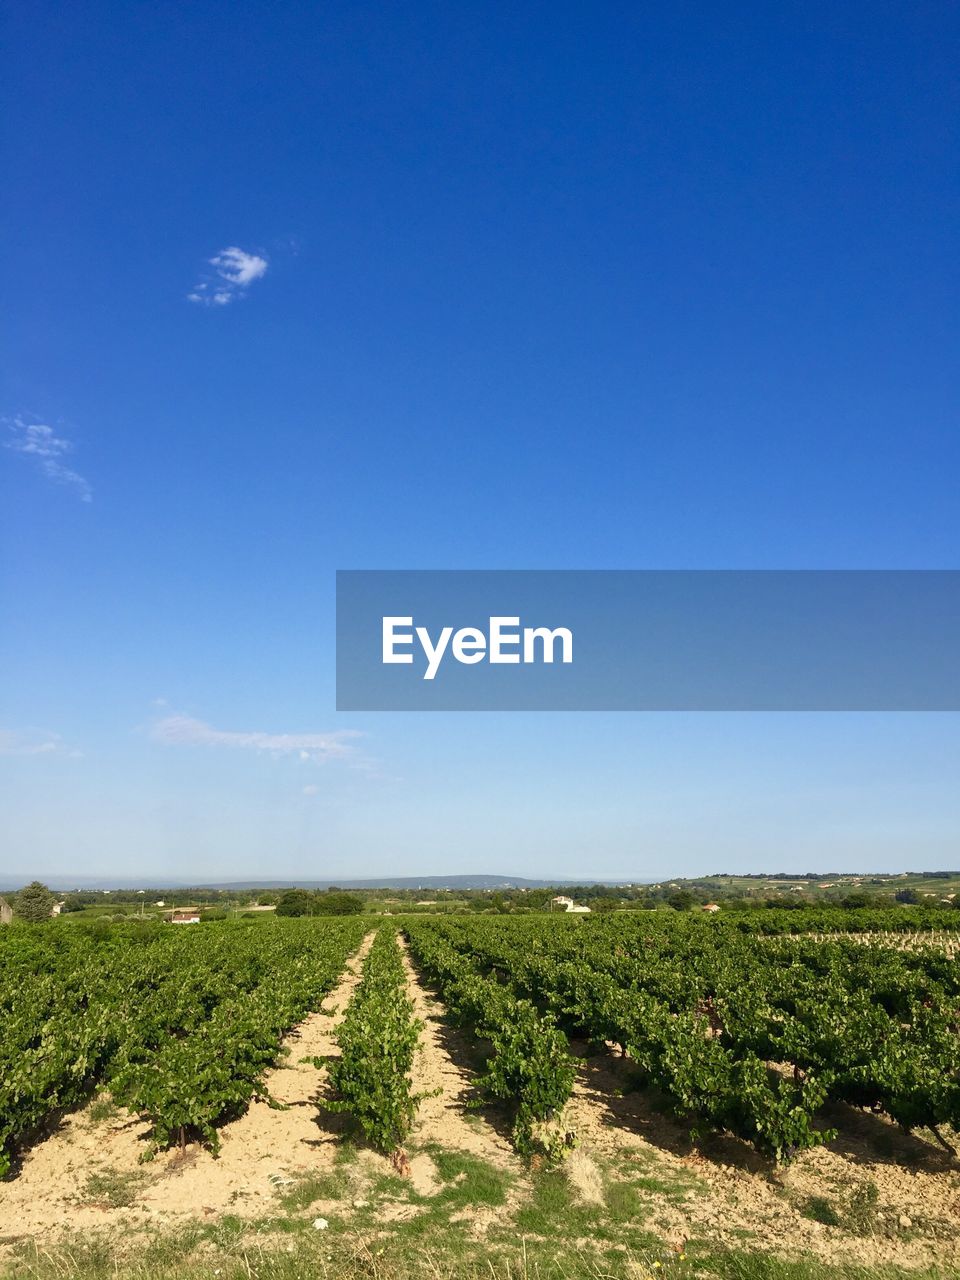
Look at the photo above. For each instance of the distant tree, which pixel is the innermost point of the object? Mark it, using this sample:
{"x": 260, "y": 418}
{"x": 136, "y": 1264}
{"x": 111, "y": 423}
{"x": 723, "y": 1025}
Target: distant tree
{"x": 858, "y": 900}
{"x": 538, "y": 899}
{"x": 910, "y": 896}
{"x": 33, "y": 903}
{"x": 682, "y": 900}
{"x": 337, "y": 904}
{"x": 296, "y": 902}
{"x": 604, "y": 904}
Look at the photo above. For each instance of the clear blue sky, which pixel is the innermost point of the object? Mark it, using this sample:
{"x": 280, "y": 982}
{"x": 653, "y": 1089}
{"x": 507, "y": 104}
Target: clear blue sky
{"x": 522, "y": 286}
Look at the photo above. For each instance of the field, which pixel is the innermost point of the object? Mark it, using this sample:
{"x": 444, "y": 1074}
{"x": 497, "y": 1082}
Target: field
{"x": 625, "y": 1095}
{"x": 932, "y": 887}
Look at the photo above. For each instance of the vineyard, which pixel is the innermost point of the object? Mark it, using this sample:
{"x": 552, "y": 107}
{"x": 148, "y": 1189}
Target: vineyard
{"x": 180, "y": 1028}
{"x": 748, "y": 1028}
{"x": 741, "y": 1032}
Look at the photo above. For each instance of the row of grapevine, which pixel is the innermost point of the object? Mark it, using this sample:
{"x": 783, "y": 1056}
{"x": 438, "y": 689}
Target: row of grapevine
{"x": 179, "y": 1024}
{"x": 744, "y": 1034}
{"x": 863, "y": 920}
{"x": 529, "y": 1065}
{"x": 377, "y": 1040}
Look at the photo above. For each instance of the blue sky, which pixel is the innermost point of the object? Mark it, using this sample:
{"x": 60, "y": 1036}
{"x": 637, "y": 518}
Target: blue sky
{"x": 535, "y": 286}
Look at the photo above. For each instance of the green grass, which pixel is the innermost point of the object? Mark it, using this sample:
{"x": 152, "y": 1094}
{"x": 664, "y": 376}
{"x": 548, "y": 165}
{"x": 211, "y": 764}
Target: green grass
{"x": 820, "y": 1209}
{"x": 676, "y": 1190}
{"x": 646, "y": 1173}
{"x": 554, "y": 1213}
{"x": 756, "y": 1266}
{"x": 623, "y": 1203}
{"x": 468, "y": 1180}
{"x": 860, "y": 1216}
{"x": 313, "y": 1187}
{"x": 111, "y": 1187}
{"x": 198, "y": 1254}
{"x": 466, "y": 1183}
{"x": 101, "y": 1110}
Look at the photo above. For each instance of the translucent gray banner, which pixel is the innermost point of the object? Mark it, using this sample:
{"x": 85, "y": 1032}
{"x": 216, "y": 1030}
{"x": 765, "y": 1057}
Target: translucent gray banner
{"x": 648, "y": 640}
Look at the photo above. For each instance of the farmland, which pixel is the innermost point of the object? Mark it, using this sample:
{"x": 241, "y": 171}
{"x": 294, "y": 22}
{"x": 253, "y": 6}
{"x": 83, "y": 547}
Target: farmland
{"x": 620, "y": 1091}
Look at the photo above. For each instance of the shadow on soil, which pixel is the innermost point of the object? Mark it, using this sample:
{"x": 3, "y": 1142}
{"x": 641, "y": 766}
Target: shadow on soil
{"x": 469, "y": 1054}
{"x": 862, "y": 1137}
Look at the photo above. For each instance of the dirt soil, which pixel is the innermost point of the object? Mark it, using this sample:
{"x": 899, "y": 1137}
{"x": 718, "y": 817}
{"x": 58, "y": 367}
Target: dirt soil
{"x": 447, "y": 1084}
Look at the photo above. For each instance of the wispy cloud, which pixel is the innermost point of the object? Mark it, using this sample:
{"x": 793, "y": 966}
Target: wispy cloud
{"x": 40, "y": 442}
{"x": 34, "y": 742}
{"x": 185, "y": 731}
{"x": 234, "y": 271}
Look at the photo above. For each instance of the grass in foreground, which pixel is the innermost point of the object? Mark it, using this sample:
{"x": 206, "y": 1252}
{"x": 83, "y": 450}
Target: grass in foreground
{"x": 184, "y": 1256}
{"x": 383, "y": 1229}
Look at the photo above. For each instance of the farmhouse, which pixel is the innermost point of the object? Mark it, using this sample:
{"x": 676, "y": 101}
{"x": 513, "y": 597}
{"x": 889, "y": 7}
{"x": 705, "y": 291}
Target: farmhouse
{"x": 189, "y": 915}
{"x": 569, "y": 905}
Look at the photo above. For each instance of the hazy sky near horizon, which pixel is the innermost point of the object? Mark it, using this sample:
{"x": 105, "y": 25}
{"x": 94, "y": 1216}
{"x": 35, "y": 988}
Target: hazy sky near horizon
{"x": 291, "y": 289}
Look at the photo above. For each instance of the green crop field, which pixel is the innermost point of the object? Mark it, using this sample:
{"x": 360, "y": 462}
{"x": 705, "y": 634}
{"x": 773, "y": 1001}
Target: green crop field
{"x": 545, "y": 1071}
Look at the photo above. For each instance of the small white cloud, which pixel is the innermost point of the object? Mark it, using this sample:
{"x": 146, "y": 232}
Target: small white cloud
{"x": 185, "y": 731}
{"x": 34, "y": 742}
{"x": 310, "y": 790}
{"x": 234, "y": 271}
{"x": 39, "y": 441}
{"x": 239, "y": 268}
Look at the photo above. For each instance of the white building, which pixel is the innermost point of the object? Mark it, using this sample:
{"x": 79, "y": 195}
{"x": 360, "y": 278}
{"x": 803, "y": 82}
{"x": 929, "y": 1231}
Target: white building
{"x": 569, "y": 905}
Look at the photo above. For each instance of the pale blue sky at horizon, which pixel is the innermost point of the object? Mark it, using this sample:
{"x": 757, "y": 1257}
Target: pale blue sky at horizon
{"x": 294, "y": 289}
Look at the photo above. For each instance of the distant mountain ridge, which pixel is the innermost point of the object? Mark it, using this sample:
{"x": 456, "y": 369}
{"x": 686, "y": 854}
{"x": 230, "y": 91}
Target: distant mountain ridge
{"x": 65, "y": 883}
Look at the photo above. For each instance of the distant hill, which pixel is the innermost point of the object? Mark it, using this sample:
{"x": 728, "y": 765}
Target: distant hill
{"x": 410, "y": 882}
{"x": 810, "y": 884}
{"x": 63, "y": 883}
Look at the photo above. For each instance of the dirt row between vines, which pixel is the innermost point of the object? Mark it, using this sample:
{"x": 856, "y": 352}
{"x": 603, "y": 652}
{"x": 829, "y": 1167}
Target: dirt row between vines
{"x": 447, "y": 1084}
